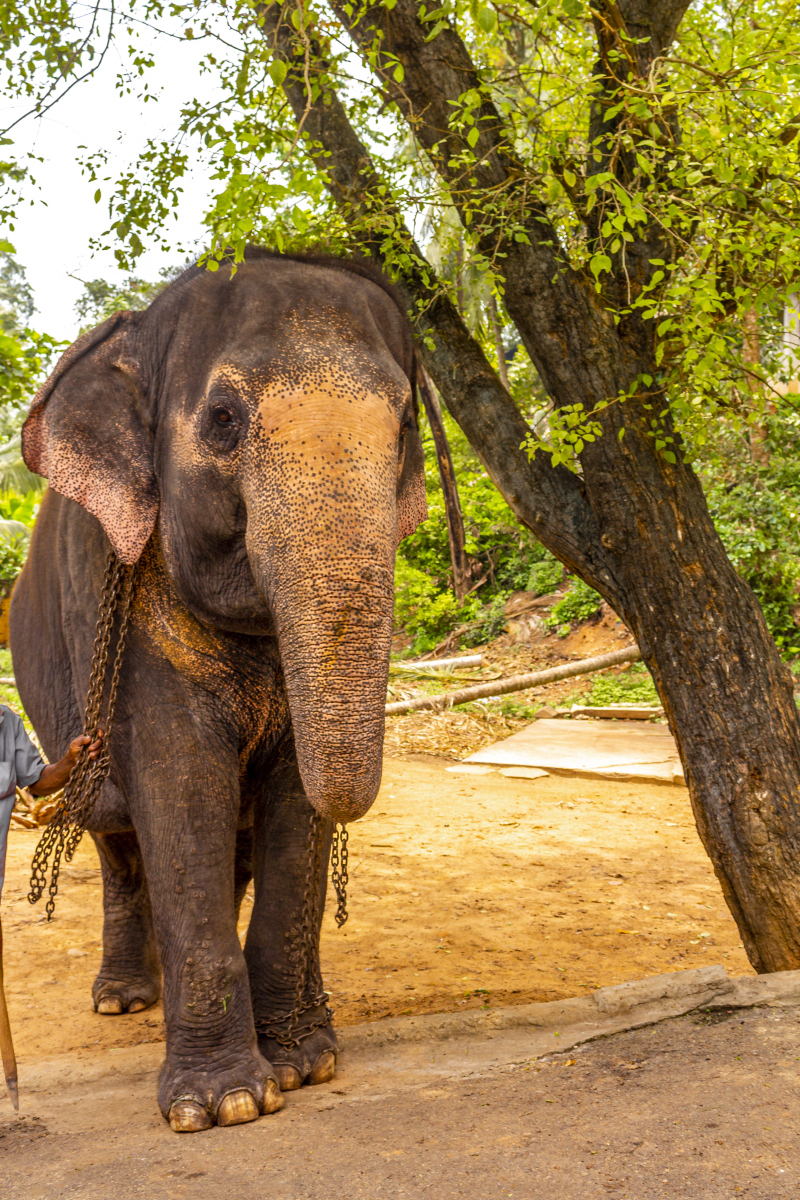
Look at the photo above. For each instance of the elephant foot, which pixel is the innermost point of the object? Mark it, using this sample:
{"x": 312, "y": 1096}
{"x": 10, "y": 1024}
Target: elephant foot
{"x": 195, "y": 1100}
{"x": 311, "y": 1061}
{"x": 114, "y": 996}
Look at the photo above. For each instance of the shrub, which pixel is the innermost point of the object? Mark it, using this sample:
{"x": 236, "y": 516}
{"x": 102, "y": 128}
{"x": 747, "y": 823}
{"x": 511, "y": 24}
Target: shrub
{"x": 13, "y": 552}
{"x": 491, "y": 622}
{"x": 579, "y": 603}
{"x": 545, "y": 576}
{"x": 634, "y": 686}
{"x": 425, "y": 609}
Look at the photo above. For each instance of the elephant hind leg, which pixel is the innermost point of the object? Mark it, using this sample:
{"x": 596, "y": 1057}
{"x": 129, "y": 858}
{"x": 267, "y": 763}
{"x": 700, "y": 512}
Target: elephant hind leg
{"x": 129, "y": 978}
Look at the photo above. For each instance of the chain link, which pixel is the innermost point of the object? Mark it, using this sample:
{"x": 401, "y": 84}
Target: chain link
{"x": 306, "y": 946}
{"x": 65, "y": 830}
{"x": 339, "y": 875}
{"x": 284, "y": 1028}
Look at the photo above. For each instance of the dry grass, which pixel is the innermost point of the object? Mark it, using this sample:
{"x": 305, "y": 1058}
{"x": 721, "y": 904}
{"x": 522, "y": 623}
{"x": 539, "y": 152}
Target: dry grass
{"x": 450, "y": 734}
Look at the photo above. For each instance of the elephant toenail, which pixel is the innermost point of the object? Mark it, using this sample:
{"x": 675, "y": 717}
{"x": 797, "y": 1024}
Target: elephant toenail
{"x": 324, "y": 1068}
{"x": 137, "y": 1005}
{"x": 273, "y": 1100}
{"x": 110, "y": 1005}
{"x": 237, "y": 1108}
{"x": 288, "y": 1077}
{"x": 189, "y": 1116}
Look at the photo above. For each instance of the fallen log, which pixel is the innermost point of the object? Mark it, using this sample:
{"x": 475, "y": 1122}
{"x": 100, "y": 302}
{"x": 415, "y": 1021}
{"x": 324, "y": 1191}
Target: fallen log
{"x": 517, "y": 683}
{"x": 466, "y": 660}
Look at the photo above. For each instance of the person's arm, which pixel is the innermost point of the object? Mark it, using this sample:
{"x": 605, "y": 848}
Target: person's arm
{"x": 53, "y": 777}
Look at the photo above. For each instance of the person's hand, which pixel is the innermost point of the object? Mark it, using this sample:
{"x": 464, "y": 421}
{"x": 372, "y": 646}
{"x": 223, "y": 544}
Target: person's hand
{"x": 77, "y": 744}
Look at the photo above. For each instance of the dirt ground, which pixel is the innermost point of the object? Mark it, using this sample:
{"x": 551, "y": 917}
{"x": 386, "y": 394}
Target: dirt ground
{"x": 705, "y": 1107}
{"x": 465, "y": 891}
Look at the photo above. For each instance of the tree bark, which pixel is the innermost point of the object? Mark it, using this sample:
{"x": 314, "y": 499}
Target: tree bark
{"x": 502, "y": 369}
{"x": 459, "y": 560}
{"x": 634, "y": 526}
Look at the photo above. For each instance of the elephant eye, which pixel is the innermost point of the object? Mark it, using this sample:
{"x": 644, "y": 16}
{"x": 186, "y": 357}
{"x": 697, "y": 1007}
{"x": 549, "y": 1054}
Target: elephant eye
{"x": 223, "y": 425}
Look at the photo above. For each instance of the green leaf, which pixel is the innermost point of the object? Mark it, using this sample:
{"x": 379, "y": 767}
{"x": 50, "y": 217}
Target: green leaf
{"x": 487, "y": 19}
{"x": 277, "y": 71}
{"x": 569, "y": 178}
{"x": 473, "y": 135}
{"x": 599, "y": 263}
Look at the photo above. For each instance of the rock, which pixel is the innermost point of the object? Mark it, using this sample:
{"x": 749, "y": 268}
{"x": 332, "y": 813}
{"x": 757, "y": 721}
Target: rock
{"x": 546, "y": 713}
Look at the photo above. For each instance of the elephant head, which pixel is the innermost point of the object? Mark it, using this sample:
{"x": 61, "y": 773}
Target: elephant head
{"x": 265, "y": 422}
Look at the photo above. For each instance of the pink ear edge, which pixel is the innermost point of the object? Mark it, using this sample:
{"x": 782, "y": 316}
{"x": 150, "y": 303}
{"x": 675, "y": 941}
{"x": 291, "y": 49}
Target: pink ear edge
{"x": 126, "y": 509}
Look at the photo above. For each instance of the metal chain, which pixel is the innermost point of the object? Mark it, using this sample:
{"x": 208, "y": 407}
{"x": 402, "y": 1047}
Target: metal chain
{"x": 65, "y": 830}
{"x": 306, "y": 945}
{"x": 339, "y": 875}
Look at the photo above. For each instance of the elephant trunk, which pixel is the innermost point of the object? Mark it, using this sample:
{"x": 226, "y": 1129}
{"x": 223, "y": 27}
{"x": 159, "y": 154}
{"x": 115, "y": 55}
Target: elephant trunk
{"x": 320, "y": 487}
{"x": 334, "y": 632}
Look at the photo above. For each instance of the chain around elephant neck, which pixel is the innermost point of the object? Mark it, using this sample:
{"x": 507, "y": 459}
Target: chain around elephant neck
{"x": 65, "y": 830}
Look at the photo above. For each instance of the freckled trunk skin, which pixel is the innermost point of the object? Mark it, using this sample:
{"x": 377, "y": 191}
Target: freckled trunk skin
{"x": 335, "y": 654}
{"x": 320, "y": 489}
{"x": 334, "y": 634}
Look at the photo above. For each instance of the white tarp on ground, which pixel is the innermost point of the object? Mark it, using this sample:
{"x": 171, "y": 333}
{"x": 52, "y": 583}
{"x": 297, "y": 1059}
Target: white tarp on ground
{"x": 608, "y": 749}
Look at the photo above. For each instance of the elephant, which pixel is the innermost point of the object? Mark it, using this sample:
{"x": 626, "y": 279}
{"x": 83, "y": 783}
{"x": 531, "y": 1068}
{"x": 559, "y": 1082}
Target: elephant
{"x": 250, "y": 442}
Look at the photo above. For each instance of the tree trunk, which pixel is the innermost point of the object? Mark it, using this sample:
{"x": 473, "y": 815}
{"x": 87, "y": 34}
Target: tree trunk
{"x": 462, "y": 571}
{"x": 634, "y": 525}
{"x": 502, "y": 369}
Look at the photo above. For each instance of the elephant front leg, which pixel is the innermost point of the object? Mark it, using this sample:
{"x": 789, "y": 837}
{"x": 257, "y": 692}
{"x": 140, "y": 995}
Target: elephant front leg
{"x": 213, "y": 1071}
{"x": 129, "y": 977}
{"x": 290, "y": 859}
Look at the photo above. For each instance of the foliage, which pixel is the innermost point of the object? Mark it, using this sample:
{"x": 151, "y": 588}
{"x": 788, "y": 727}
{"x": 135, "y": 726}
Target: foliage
{"x": 634, "y": 686}
{"x": 13, "y": 552}
{"x": 545, "y": 576}
{"x": 16, "y": 297}
{"x": 709, "y": 141}
{"x": 709, "y": 197}
{"x": 102, "y": 299}
{"x": 755, "y": 506}
{"x": 505, "y": 556}
{"x": 17, "y": 516}
{"x": 580, "y": 602}
{"x": 423, "y": 608}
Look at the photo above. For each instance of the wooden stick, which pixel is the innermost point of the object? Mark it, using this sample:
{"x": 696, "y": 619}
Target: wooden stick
{"x": 6, "y": 1044}
{"x": 517, "y": 683}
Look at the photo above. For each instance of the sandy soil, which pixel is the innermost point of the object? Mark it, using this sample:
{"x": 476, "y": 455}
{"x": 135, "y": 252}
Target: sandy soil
{"x": 464, "y": 891}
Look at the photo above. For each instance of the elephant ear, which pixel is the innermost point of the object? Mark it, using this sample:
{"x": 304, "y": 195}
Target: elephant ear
{"x": 87, "y": 434}
{"x": 412, "y": 502}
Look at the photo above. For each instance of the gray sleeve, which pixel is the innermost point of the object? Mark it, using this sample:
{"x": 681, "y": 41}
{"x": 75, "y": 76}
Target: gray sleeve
{"x": 28, "y": 761}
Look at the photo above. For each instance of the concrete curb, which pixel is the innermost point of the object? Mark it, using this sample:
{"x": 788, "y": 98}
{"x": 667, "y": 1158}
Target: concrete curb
{"x": 607, "y": 1011}
{"x": 627, "y": 1006}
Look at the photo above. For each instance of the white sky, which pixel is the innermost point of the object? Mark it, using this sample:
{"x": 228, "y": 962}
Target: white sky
{"x": 52, "y": 238}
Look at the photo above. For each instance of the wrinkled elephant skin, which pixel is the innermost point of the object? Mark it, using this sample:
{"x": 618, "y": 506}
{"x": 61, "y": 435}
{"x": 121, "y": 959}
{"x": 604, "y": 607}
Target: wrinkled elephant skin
{"x": 250, "y": 442}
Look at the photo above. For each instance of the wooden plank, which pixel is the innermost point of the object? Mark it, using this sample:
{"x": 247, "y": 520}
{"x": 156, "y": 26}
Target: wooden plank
{"x": 613, "y": 750}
